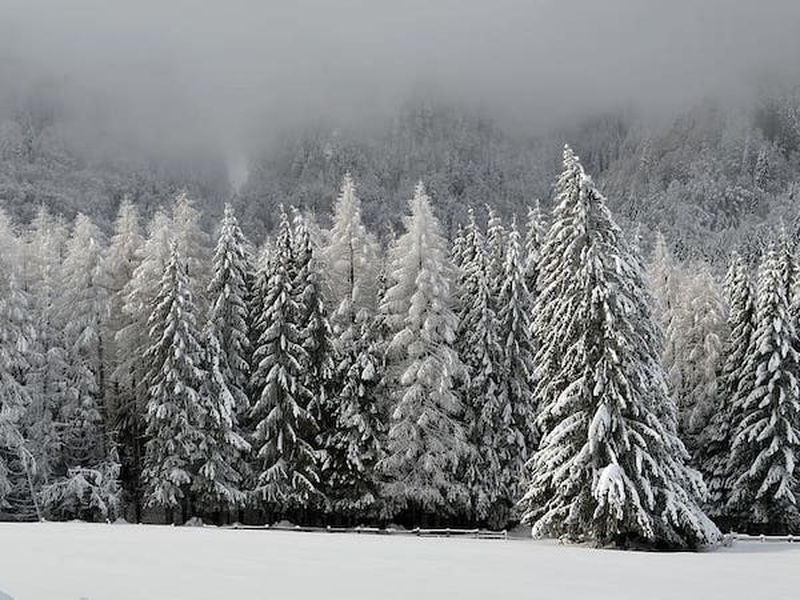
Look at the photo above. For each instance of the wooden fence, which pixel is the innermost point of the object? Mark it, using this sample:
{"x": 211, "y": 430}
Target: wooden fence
{"x": 483, "y": 534}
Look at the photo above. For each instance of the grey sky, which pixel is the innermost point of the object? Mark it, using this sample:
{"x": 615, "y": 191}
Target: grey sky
{"x": 176, "y": 69}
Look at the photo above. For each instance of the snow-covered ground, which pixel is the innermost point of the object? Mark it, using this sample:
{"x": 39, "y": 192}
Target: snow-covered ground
{"x": 70, "y": 561}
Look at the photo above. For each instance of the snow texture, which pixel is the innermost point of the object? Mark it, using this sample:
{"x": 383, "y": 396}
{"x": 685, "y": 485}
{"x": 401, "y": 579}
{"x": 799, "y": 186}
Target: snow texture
{"x": 198, "y": 563}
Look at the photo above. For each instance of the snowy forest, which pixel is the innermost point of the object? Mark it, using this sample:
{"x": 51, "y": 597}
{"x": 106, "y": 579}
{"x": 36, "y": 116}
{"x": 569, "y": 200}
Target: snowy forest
{"x": 543, "y": 366}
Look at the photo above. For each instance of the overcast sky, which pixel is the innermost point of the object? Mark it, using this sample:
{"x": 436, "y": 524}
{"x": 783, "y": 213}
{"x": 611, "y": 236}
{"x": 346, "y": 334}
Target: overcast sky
{"x": 180, "y": 67}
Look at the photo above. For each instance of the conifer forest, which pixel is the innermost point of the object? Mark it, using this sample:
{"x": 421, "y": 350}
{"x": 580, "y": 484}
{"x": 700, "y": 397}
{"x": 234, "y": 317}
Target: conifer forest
{"x": 524, "y": 274}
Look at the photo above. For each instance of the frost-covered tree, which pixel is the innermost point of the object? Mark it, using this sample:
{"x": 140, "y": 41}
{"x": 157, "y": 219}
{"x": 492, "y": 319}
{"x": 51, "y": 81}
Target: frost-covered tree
{"x": 609, "y": 468}
{"x": 17, "y": 492}
{"x": 87, "y": 486}
{"x": 42, "y": 254}
{"x": 664, "y": 279}
{"x": 229, "y": 296}
{"x": 714, "y": 447}
{"x": 695, "y": 338}
{"x": 496, "y": 239}
{"x": 122, "y": 258}
{"x": 134, "y": 371}
{"x": 174, "y": 417}
{"x": 194, "y": 245}
{"x": 220, "y": 472}
{"x": 535, "y": 231}
{"x": 83, "y": 304}
{"x": 351, "y": 255}
{"x": 313, "y": 325}
{"x": 425, "y": 439}
{"x": 352, "y": 443}
{"x": 516, "y": 337}
{"x": 766, "y": 443}
{"x": 488, "y": 414}
{"x": 287, "y": 460}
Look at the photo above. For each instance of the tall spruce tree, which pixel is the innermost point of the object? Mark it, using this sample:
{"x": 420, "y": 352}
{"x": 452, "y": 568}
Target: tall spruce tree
{"x": 287, "y": 459}
{"x": 766, "y": 442}
{"x": 134, "y": 371}
{"x": 122, "y": 258}
{"x": 715, "y": 441}
{"x": 609, "y": 469}
{"x": 17, "y": 492}
{"x": 353, "y": 442}
{"x": 535, "y": 232}
{"x": 516, "y": 337}
{"x": 425, "y": 441}
{"x": 488, "y": 415}
{"x": 174, "y": 416}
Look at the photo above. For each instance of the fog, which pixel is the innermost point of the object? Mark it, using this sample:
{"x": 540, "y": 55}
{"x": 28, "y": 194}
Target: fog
{"x": 177, "y": 73}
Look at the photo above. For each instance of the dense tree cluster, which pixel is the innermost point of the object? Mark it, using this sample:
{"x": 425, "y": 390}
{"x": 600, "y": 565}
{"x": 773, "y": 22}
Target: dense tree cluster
{"x": 520, "y": 372}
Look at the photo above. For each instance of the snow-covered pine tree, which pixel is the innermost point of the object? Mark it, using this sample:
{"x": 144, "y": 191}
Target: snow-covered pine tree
{"x": 352, "y": 443}
{"x": 488, "y": 414}
{"x": 229, "y": 296}
{"x": 516, "y": 337}
{"x": 226, "y": 341}
{"x": 43, "y": 251}
{"x": 194, "y": 245}
{"x": 221, "y": 471}
{"x": 766, "y": 443}
{"x": 664, "y": 279}
{"x": 122, "y": 258}
{"x": 535, "y": 232}
{"x": 175, "y": 411}
{"x": 496, "y": 237}
{"x": 313, "y": 326}
{"x": 696, "y": 334}
{"x": 84, "y": 471}
{"x": 133, "y": 371}
{"x": 287, "y": 460}
{"x": 425, "y": 441}
{"x": 351, "y": 255}
{"x": 17, "y": 492}
{"x": 714, "y": 449}
{"x": 609, "y": 469}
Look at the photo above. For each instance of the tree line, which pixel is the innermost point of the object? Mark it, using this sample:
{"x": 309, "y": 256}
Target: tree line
{"x": 519, "y": 372}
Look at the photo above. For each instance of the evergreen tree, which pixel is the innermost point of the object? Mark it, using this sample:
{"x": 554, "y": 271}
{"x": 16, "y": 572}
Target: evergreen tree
{"x": 43, "y": 252}
{"x": 220, "y": 473}
{"x": 352, "y": 442}
{"x": 83, "y": 304}
{"x": 134, "y": 371}
{"x": 425, "y": 440}
{"x": 313, "y": 326}
{"x": 87, "y": 485}
{"x": 351, "y": 256}
{"x": 488, "y": 414}
{"x": 287, "y": 468}
{"x": 534, "y": 239}
{"x": 766, "y": 442}
{"x": 609, "y": 469}
{"x": 229, "y": 295}
{"x": 122, "y": 258}
{"x": 519, "y": 347}
{"x": 194, "y": 245}
{"x": 695, "y": 337}
{"x": 17, "y": 494}
{"x": 715, "y": 441}
{"x": 175, "y": 415}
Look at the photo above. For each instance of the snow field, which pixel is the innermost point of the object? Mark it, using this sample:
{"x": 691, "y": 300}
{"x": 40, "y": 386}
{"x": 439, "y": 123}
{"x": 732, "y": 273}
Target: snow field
{"x": 70, "y": 561}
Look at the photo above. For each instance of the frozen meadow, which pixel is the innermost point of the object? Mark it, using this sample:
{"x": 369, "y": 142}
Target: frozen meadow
{"x": 72, "y": 561}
